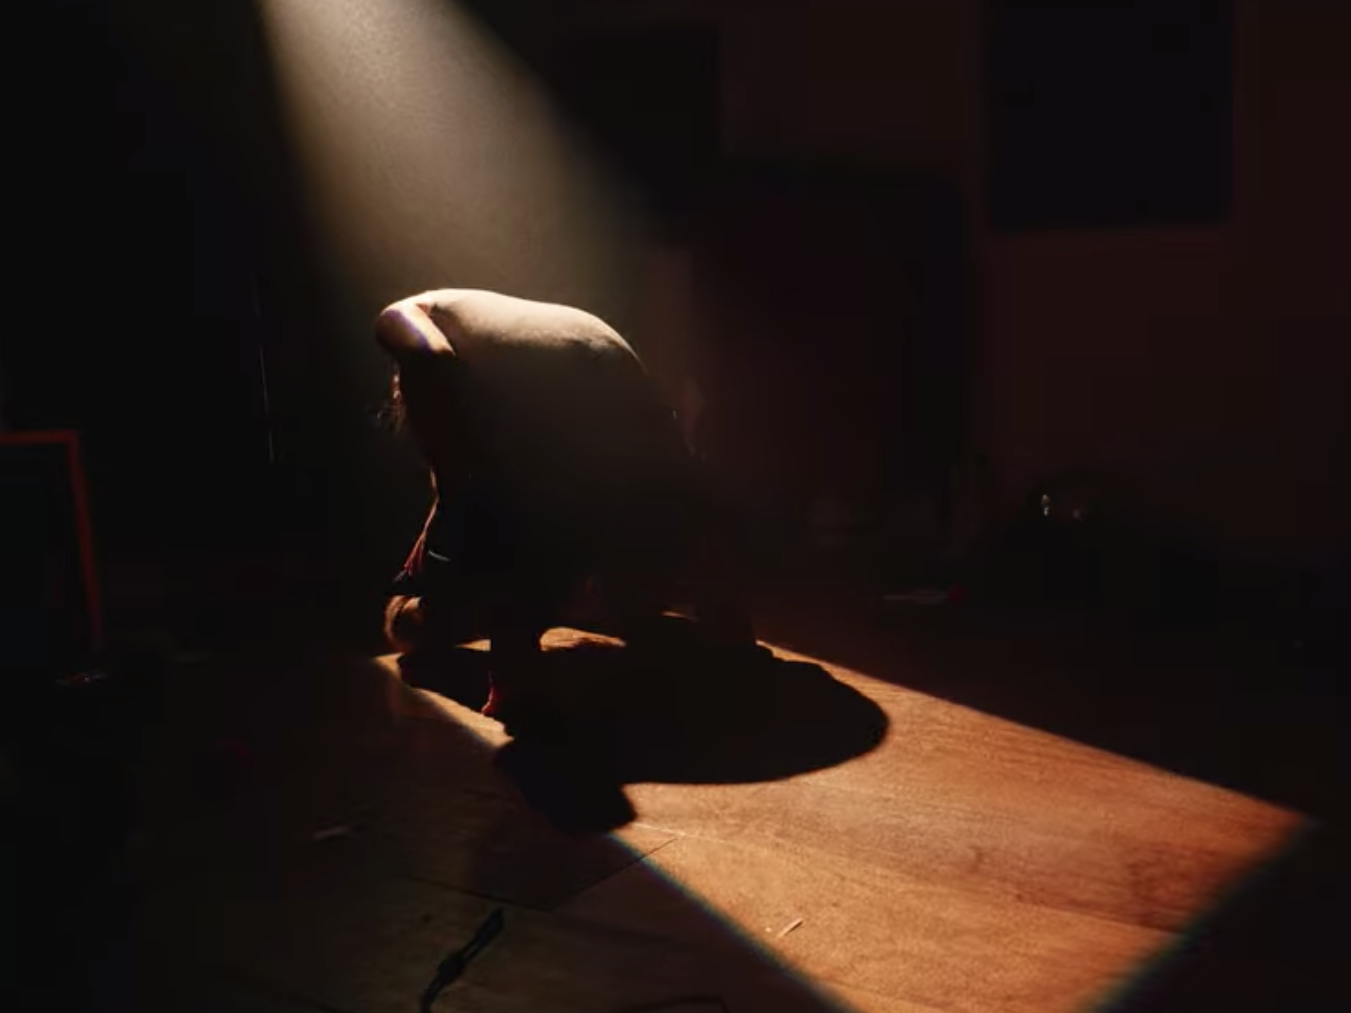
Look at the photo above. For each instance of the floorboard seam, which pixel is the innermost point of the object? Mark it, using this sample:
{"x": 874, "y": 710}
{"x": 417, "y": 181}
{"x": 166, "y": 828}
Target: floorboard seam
{"x": 638, "y": 859}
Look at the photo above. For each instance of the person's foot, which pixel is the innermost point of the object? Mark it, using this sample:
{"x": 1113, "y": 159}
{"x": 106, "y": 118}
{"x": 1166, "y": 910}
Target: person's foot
{"x": 404, "y": 623}
{"x": 495, "y": 705}
{"x": 519, "y": 713}
{"x": 411, "y": 627}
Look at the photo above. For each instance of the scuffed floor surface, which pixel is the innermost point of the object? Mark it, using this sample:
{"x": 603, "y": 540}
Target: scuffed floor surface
{"x": 798, "y": 837}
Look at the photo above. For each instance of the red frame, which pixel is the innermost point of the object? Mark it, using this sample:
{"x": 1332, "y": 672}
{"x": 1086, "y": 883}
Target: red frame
{"x": 85, "y": 533}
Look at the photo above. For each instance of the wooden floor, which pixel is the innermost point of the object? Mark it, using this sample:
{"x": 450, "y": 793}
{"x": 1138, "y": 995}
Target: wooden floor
{"x": 799, "y": 837}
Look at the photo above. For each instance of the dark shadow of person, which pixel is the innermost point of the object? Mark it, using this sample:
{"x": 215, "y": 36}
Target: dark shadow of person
{"x": 670, "y": 712}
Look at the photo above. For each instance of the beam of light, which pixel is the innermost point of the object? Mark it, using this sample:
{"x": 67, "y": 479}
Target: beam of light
{"x": 433, "y": 159}
{"x": 959, "y": 781}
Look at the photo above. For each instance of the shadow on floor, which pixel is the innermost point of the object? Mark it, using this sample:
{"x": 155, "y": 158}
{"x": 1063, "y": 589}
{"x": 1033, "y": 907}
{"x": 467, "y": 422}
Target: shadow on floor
{"x": 1224, "y": 706}
{"x": 671, "y": 712}
{"x": 229, "y": 904}
{"x": 1218, "y": 705}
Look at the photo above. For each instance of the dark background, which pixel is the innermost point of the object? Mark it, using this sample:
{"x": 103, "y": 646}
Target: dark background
{"x": 931, "y": 262}
{"x": 941, "y": 253}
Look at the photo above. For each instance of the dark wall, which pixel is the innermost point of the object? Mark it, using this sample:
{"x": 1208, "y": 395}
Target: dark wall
{"x": 1197, "y": 356}
{"x": 184, "y": 311}
{"x": 165, "y": 261}
{"x": 157, "y": 193}
{"x": 829, "y": 246}
{"x": 834, "y": 334}
{"x": 136, "y": 274}
{"x": 1108, "y": 115}
{"x": 1205, "y": 367}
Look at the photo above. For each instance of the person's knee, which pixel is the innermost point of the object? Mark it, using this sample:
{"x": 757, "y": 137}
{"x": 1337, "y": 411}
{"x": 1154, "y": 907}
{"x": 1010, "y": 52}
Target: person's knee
{"x": 416, "y": 624}
{"x": 405, "y": 623}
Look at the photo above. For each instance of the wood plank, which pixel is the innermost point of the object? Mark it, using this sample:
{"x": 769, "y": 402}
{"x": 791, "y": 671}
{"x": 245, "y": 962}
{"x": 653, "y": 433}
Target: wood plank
{"x": 963, "y": 798}
{"x": 967, "y": 864}
{"x": 353, "y": 941}
{"x": 875, "y": 930}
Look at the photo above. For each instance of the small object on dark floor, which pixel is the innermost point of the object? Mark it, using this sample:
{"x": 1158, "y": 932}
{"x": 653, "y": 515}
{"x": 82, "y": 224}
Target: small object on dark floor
{"x": 86, "y": 678}
{"x": 455, "y": 963}
{"x": 333, "y": 833}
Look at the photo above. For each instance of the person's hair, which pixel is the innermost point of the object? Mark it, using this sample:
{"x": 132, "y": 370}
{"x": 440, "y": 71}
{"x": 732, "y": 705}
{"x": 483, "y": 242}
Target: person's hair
{"x": 439, "y": 384}
{"x": 392, "y": 415}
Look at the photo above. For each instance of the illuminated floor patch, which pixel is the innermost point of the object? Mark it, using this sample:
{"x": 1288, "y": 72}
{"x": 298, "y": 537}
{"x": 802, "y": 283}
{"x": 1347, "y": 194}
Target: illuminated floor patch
{"x": 967, "y": 864}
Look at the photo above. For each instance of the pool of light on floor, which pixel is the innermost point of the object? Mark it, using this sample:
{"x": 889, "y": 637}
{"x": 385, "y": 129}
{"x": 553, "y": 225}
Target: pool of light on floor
{"x": 1012, "y": 869}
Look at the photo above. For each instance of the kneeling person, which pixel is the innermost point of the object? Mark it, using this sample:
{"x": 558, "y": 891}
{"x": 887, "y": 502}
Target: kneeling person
{"x": 555, "y": 461}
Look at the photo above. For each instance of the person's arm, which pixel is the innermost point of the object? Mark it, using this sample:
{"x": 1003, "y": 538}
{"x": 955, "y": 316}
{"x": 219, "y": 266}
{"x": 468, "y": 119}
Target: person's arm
{"x": 413, "y": 565}
{"x": 408, "y": 334}
{"x": 405, "y": 329}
